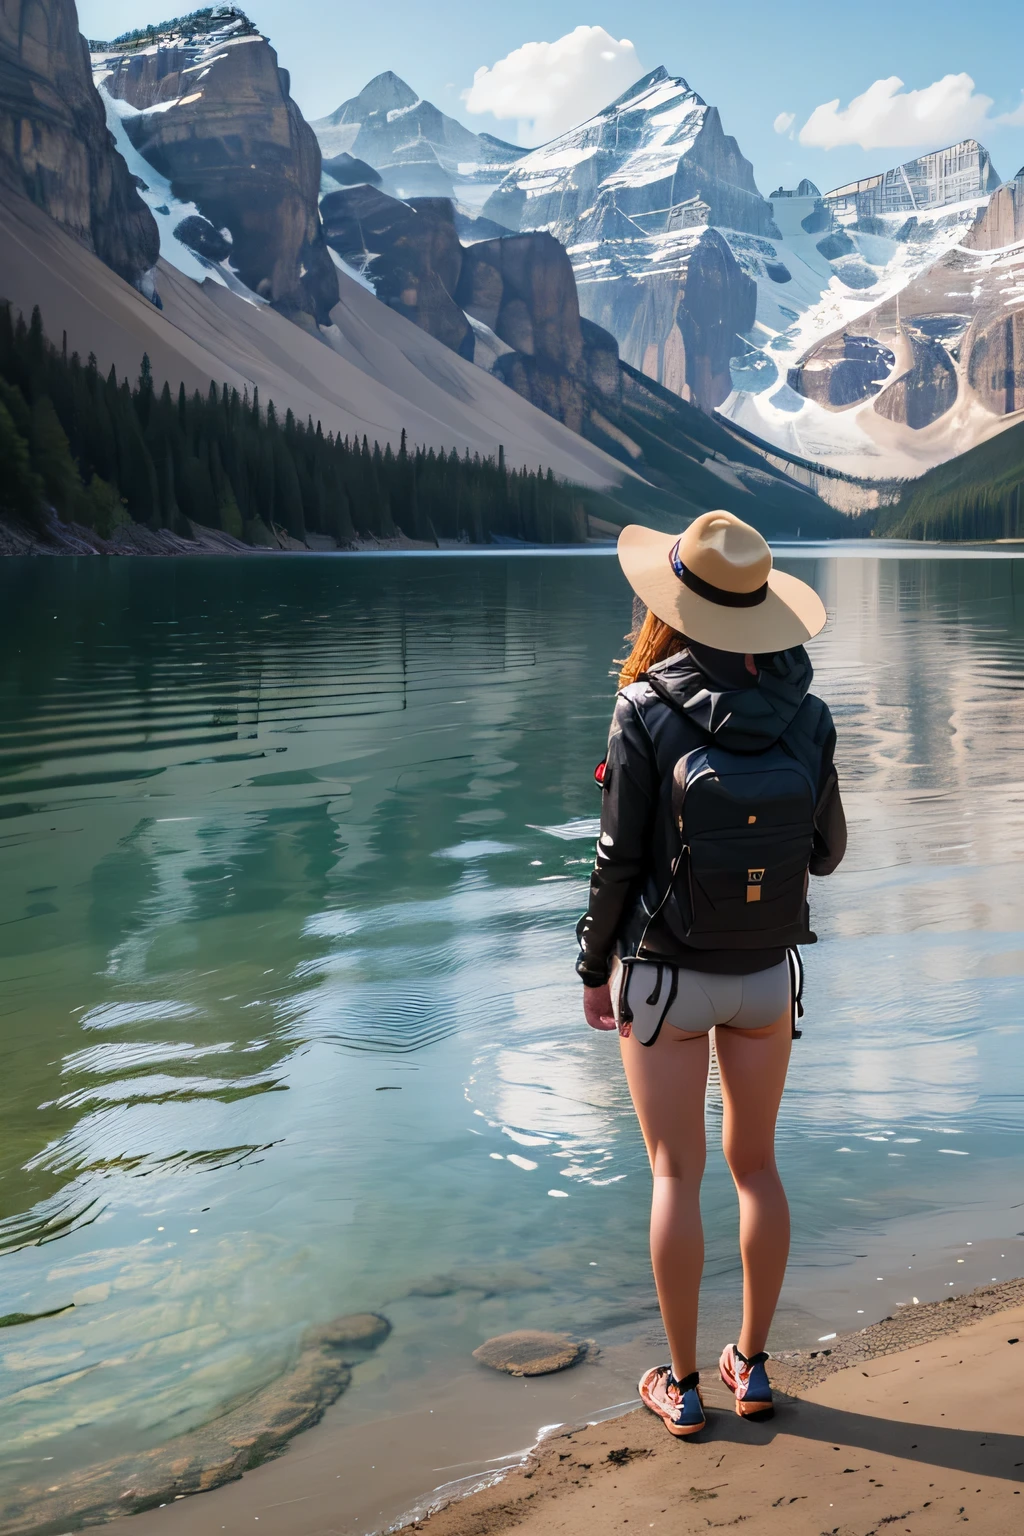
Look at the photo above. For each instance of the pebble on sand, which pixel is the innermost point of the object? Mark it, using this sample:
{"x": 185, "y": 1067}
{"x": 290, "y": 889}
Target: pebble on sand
{"x": 530, "y": 1353}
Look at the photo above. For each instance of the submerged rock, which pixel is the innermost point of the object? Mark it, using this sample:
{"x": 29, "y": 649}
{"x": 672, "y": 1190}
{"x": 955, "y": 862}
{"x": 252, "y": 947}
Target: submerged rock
{"x": 252, "y": 1431}
{"x": 489, "y": 1280}
{"x": 362, "y": 1330}
{"x": 530, "y": 1353}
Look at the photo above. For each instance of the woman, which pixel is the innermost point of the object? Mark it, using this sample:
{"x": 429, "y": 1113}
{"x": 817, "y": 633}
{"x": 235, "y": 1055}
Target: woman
{"x": 719, "y": 796}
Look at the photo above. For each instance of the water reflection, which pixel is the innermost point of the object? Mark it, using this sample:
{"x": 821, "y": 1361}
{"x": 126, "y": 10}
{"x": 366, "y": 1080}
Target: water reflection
{"x": 291, "y": 858}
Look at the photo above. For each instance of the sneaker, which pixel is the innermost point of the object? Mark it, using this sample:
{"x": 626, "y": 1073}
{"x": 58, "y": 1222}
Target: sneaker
{"x": 748, "y": 1381}
{"x": 679, "y": 1403}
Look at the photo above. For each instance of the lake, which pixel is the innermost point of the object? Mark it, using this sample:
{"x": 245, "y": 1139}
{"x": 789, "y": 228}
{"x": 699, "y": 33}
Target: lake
{"x": 291, "y": 855}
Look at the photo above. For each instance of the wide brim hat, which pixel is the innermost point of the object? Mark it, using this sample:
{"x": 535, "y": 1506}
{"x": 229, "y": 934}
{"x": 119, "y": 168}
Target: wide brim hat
{"x": 715, "y": 584}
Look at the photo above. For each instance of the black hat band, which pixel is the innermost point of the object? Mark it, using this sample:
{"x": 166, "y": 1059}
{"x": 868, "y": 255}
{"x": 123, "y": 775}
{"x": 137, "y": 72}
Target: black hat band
{"x": 711, "y": 593}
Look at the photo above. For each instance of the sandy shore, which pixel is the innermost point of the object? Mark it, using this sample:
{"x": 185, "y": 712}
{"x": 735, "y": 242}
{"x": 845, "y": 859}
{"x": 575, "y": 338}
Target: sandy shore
{"x": 914, "y": 1425}
{"x": 882, "y": 1429}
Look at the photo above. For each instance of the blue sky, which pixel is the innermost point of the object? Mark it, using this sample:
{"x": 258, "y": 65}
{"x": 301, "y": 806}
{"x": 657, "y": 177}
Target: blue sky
{"x": 758, "y": 61}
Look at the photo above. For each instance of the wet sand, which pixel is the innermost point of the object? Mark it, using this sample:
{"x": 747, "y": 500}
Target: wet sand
{"x": 914, "y": 1416}
{"x": 913, "y": 1425}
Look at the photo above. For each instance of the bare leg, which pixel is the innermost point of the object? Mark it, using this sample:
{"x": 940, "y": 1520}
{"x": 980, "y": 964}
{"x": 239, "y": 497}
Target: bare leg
{"x": 668, "y": 1081}
{"x": 753, "y": 1065}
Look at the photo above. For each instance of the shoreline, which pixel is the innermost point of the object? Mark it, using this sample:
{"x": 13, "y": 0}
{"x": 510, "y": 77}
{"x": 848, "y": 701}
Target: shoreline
{"x": 295, "y": 1488}
{"x": 598, "y": 1476}
{"x": 136, "y": 540}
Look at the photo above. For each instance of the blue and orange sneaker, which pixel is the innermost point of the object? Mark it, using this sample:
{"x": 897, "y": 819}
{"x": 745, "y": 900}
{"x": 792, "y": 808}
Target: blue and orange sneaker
{"x": 747, "y": 1380}
{"x": 678, "y": 1403}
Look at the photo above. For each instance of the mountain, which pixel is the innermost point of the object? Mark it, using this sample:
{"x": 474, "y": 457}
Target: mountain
{"x": 204, "y": 104}
{"x": 633, "y": 193}
{"x": 782, "y": 313}
{"x": 912, "y": 346}
{"x": 497, "y": 359}
{"x": 510, "y": 303}
{"x": 645, "y": 158}
{"x": 959, "y": 173}
{"x": 54, "y": 143}
{"x": 418, "y": 150}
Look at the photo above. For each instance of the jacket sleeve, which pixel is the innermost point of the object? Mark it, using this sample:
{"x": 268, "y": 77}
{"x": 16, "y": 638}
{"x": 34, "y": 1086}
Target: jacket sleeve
{"x": 628, "y": 803}
{"x": 829, "y": 816}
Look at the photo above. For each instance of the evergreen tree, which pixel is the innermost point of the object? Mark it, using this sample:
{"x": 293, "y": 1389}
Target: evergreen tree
{"x": 51, "y": 459}
{"x": 21, "y": 490}
{"x": 101, "y": 508}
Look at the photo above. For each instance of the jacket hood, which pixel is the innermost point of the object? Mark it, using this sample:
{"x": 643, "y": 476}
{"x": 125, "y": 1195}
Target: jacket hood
{"x": 742, "y": 719}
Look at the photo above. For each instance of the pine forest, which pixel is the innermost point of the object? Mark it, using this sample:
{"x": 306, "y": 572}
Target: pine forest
{"x": 101, "y": 451}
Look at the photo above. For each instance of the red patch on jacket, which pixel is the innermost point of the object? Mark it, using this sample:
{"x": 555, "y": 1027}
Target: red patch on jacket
{"x": 599, "y": 772}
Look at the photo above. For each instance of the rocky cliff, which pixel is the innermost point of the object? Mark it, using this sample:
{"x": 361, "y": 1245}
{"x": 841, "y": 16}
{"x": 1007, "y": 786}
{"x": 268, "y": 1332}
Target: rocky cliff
{"x": 677, "y": 321}
{"x": 213, "y": 114}
{"x": 1002, "y": 222}
{"x": 995, "y": 361}
{"x": 843, "y": 370}
{"x": 522, "y": 288}
{"x": 928, "y": 388}
{"x": 54, "y": 142}
{"x": 409, "y": 251}
{"x": 509, "y": 303}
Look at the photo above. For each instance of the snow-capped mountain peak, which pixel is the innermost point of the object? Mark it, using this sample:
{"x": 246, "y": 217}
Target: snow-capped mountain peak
{"x": 418, "y": 150}
{"x": 654, "y": 148}
{"x": 386, "y": 92}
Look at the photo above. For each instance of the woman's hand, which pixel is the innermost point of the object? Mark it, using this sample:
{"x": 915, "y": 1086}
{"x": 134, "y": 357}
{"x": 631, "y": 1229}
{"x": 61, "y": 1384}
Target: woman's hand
{"x": 597, "y": 1007}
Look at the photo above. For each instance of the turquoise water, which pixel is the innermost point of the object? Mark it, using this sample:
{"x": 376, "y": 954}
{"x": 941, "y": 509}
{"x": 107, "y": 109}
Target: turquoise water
{"x": 291, "y": 852}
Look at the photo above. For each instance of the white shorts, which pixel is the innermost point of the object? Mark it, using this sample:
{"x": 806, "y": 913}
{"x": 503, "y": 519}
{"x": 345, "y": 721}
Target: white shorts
{"x": 649, "y": 995}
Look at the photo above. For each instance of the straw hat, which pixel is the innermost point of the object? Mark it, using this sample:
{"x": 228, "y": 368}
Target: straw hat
{"x": 715, "y": 585}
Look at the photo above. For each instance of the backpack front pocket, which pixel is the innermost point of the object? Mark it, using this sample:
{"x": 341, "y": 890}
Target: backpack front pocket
{"x": 746, "y": 885}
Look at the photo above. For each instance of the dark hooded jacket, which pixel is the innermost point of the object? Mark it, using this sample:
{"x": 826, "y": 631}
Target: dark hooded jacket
{"x": 671, "y": 710}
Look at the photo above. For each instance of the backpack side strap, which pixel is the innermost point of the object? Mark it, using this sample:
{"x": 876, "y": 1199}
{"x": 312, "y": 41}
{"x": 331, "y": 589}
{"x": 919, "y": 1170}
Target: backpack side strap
{"x": 796, "y": 980}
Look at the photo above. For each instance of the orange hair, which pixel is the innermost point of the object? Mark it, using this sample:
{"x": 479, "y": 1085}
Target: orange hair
{"x": 652, "y": 642}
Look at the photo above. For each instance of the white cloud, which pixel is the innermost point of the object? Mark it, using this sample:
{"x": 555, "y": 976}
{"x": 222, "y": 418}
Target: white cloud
{"x": 784, "y": 122}
{"x": 549, "y": 87}
{"x": 1014, "y": 119}
{"x": 886, "y": 116}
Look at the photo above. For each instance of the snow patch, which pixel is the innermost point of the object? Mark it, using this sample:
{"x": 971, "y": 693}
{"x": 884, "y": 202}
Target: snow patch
{"x": 168, "y": 210}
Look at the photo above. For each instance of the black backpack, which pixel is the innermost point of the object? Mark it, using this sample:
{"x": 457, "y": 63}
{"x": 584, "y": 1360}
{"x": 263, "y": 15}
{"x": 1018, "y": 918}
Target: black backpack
{"x": 746, "y": 824}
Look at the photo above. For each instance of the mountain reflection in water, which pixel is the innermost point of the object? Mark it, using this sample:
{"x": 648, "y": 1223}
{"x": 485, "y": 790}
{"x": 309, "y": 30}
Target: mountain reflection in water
{"x": 278, "y": 835}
